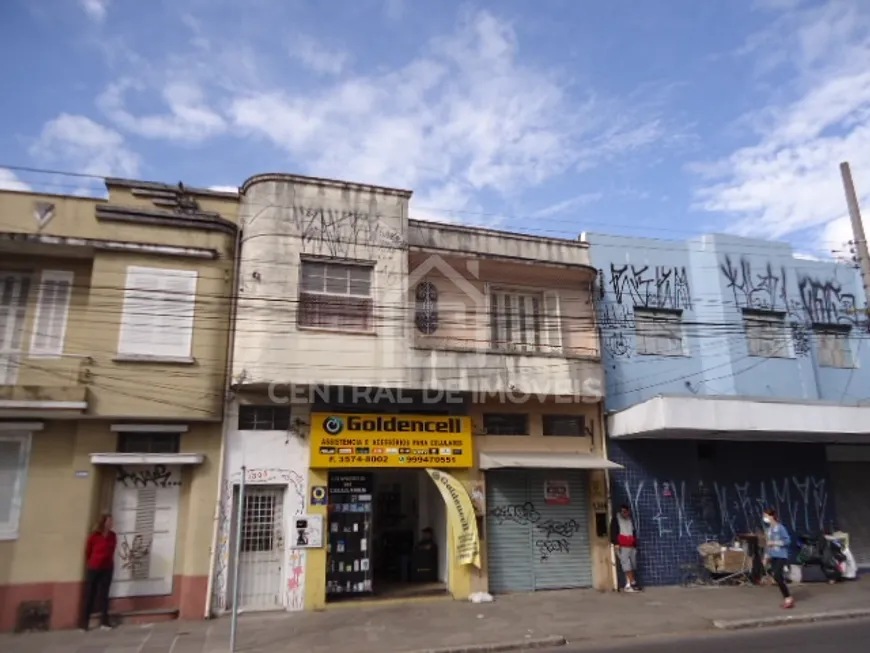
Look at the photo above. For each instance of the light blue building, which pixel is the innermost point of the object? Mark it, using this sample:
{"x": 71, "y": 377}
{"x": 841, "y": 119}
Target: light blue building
{"x": 738, "y": 378}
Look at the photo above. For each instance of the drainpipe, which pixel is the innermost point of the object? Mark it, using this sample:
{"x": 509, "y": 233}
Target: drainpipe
{"x": 228, "y": 391}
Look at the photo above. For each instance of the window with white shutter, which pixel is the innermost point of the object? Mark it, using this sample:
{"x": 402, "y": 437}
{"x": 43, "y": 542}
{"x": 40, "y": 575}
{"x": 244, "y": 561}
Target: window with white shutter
{"x": 159, "y": 308}
{"x": 14, "y": 454}
{"x": 52, "y": 311}
{"x": 522, "y": 321}
{"x": 14, "y": 290}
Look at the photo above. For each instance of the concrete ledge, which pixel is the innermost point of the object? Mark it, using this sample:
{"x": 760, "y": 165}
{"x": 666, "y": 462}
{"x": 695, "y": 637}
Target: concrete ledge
{"x": 519, "y": 645}
{"x": 784, "y": 620}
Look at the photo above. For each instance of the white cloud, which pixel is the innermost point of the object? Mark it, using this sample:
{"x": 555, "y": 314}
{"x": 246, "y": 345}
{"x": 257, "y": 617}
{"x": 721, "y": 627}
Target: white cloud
{"x": 189, "y": 118}
{"x": 316, "y": 56}
{"x": 788, "y": 180}
{"x": 565, "y": 206}
{"x": 10, "y": 181}
{"x": 463, "y": 117}
{"x": 84, "y": 146}
{"x": 96, "y": 9}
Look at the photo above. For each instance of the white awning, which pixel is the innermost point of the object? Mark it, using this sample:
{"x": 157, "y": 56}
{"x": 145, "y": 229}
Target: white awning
{"x": 741, "y": 418}
{"x": 549, "y": 460}
{"x": 147, "y": 458}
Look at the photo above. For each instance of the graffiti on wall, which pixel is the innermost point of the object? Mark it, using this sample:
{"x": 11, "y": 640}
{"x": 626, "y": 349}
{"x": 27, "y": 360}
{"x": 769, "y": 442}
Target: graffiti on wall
{"x": 551, "y": 537}
{"x": 720, "y": 511}
{"x": 819, "y": 301}
{"x": 638, "y": 286}
{"x": 336, "y": 233}
{"x": 294, "y": 559}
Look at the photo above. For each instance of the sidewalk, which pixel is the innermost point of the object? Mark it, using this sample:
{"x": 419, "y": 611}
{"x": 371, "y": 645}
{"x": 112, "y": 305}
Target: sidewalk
{"x": 420, "y": 625}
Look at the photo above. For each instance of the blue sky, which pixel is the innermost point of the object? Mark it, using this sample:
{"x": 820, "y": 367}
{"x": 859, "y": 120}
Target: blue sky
{"x": 663, "y": 118}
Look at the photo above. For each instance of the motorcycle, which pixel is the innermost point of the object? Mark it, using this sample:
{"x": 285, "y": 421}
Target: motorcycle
{"x": 827, "y": 554}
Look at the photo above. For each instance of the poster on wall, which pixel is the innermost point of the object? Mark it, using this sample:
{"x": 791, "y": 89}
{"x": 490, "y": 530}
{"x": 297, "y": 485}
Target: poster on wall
{"x": 309, "y": 532}
{"x": 477, "y": 492}
{"x": 557, "y": 492}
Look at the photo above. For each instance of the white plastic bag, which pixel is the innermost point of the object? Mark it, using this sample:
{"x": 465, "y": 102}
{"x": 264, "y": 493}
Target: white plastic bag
{"x": 850, "y": 571}
{"x": 480, "y": 597}
{"x": 795, "y": 574}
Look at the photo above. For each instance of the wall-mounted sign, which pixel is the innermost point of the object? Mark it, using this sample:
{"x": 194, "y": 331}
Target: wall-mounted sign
{"x": 557, "y": 492}
{"x": 318, "y": 495}
{"x": 413, "y": 441}
{"x": 308, "y": 532}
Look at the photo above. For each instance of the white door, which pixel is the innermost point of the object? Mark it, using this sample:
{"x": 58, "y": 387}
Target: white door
{"x": 14, "y": 288}
{"x": 145, "y": 510}
{"x": 262, "y": 552}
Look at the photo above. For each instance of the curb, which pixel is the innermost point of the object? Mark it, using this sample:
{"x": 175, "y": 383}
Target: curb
{"x": 743, "y": 624}
{"x": 520, "y": 645}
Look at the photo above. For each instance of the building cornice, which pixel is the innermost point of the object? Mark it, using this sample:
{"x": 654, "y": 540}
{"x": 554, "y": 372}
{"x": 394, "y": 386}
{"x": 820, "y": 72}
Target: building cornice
{"x": 205, "y": 221}
{"x": 320, "y": 181}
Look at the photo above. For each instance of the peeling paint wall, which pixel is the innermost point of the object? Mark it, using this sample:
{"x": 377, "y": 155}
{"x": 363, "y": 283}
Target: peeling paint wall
{"x": 270, "y": 458}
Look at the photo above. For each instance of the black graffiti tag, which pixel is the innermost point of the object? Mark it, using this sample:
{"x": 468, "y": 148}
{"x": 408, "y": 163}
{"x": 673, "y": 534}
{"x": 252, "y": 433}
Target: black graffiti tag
{"x": 520, "y": 513}
{"x": 560, "y": 528}
{"x": 157, "y": 476}
{"x": 548, "y": 547}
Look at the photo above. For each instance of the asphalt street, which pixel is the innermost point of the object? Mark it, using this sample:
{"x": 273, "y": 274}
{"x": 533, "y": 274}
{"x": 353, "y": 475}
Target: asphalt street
{"x": 833, "y": 637}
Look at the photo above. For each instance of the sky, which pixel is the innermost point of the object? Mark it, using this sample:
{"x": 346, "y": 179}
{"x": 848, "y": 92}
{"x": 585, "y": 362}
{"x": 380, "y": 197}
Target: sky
{"x": 663, "y": 118}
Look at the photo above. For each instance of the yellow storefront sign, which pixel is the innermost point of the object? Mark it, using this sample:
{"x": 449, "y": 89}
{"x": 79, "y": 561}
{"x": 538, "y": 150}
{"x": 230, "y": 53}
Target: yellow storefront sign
{"x": 463, "y": 522}
{"x": 348, "y": 440}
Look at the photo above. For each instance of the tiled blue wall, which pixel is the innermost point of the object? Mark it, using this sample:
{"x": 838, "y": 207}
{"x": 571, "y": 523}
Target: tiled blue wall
{"x": 680, "y": 501}
{"x": 711, "y": 279}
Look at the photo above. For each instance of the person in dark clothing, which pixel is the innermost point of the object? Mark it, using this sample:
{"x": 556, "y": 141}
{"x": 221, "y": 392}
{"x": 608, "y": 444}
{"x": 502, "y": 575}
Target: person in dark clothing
{"x": 624, "y": 540}
{"x": 100, "y": 559}
{"x": 778, "y": 541}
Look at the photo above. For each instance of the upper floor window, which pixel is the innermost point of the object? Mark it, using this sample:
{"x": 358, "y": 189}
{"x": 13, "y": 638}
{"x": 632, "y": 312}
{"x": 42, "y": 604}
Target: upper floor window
{"x": 264, "y": 418}
{"x": 834, "y": 346}
{"x": 14, "y": 290}
{"x": 569, "y": 426}
{"x": 159, "y": 307}
{"x": 336, "y": 296}
{"x": 426, "y": 313}
{"x": 766, "y": 333}
{"x": 52, "y": 308}
{"x": 659, "y": 332}
{"x": 523, "y": 321}
{"x": 506, "y": 424}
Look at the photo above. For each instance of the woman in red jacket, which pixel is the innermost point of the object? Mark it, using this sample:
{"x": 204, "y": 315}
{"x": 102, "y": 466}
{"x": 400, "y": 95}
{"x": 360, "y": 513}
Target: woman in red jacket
{"x": 100, "y": 557}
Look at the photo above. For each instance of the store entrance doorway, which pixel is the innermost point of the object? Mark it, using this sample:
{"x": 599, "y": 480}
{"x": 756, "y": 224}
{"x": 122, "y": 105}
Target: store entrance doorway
{"x": 387, "y": 535}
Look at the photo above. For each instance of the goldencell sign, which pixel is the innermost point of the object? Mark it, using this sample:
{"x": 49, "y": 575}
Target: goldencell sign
{"x": 359, "y": 440}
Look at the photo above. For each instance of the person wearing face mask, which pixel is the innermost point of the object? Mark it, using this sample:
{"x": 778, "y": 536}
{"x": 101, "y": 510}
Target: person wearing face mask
{"x": 778, "y": 541}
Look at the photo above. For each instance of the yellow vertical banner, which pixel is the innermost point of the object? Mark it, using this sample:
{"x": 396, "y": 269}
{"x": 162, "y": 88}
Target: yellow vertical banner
{"x": 463, "y": 522}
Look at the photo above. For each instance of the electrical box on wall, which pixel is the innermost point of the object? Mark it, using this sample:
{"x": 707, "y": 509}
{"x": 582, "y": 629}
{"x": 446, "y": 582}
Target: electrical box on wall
{"x": 308, "y": 532}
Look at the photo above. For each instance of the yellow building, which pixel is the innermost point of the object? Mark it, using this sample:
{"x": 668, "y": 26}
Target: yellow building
{"x": 114, "y": 331}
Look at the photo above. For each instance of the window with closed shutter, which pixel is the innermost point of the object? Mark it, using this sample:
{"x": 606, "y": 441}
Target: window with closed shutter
{"x": 159, "y": 308}
{"x": 52, "y": 310}
{"x": 14, "y": 289}
{"x": 523, "y": 321}
{"x": 14, "y": 453}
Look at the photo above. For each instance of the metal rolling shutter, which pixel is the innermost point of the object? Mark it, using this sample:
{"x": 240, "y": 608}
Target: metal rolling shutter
{"x": 851, "y": 483}
{"x": 508, "y": 533}
{"x": 533, "y": 545}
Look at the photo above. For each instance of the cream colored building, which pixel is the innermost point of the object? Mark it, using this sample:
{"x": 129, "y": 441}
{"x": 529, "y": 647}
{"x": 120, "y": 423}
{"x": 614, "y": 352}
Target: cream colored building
{"x": 114, "y": 330}
{"x": 351, "y": 313}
